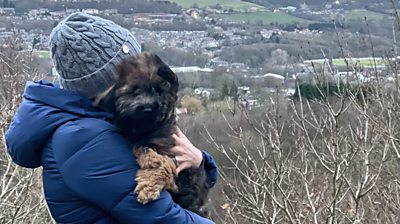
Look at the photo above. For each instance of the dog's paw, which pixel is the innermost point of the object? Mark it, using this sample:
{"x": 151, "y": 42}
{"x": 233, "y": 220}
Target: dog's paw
{"x": 149, "y": 185}
{"x": 148, "y": 158}
{"x": 147, "y": 194}
{"x": 171, "y": 186}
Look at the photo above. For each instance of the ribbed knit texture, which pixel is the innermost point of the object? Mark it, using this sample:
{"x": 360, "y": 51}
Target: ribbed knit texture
{"x": 85, "y": 50}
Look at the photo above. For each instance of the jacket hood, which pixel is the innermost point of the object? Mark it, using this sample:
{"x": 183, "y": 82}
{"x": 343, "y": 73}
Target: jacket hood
{"x": 44, "y": 108}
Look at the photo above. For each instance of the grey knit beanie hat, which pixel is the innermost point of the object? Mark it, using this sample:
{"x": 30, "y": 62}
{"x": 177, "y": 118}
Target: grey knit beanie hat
{"x": 85, "y": 50}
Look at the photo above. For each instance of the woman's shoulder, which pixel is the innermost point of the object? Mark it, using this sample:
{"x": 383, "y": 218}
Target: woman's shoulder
{"x": 88, "y": 138}
{"x": 83, "y": 130}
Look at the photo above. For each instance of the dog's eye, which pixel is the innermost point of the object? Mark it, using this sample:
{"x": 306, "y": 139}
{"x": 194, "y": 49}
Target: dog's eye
{"x": 134, "y": 91}
{"x": 158, "y": 91}
{"x": 165, "y": 85}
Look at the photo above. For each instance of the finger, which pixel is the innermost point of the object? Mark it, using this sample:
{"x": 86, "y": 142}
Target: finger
{"x": 180, "y": 160}
{"x": 180, "y": 133}
{"x": 182, "y": 167}
{"x": 175, "y": 137}
{"x": 176, "y": 150}
{"x": 178, "y": 140}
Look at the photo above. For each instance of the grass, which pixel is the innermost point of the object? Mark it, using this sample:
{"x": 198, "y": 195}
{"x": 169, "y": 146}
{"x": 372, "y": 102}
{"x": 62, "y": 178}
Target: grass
{"x": 360, "y": 14}
{"x": 266, "y": 17}
{"x": 360, "y": 62}
{"x": 234, "y": 4}
{"x": 42, "y": 54}
{"x": 365, "y": 62}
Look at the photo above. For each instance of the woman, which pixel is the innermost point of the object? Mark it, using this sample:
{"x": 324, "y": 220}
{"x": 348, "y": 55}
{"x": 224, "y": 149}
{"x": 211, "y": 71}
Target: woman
{"x": 88, "y": 167}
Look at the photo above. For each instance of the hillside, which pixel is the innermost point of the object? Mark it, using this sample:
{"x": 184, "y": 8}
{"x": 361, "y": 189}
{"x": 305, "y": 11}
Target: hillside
{"x": 233, "y": 4}
{"x": 264, "y": 17}
{"x": 318, "y": 3}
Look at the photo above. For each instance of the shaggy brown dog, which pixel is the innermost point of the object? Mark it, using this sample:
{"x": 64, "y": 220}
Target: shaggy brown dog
{"x": 143, "y": 101}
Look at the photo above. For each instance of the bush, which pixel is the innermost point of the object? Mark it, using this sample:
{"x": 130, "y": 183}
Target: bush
{"x": 192, "y": 104}
{"x": 318, "y": 91}
{"x": 332, "y": 161}
{"x": 21, "y": 195}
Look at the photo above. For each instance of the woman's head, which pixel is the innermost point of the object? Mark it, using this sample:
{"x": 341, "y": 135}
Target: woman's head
{"x": 85, "y": 50}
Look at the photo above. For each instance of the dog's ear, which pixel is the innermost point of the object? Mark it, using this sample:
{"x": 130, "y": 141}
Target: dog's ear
{"x": 122, "y": 69}
{"x": 106, "y": 100}
{"x": 165, "y": 72}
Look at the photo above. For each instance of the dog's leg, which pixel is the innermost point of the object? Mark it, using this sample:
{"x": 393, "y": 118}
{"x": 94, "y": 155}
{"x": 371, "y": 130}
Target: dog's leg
{"x": 157, "y": 172}
{"x": 148, "y": 186}
{"x": 147, "y": 158}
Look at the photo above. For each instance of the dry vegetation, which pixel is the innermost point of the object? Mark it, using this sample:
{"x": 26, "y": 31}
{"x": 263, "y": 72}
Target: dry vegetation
{"x": 335, "y": 160}
{"x": 330, "y": 161}
{"x": 21, "y": 198}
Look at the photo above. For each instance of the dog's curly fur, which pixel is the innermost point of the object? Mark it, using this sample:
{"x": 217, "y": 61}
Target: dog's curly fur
{"x": 143, "y": 101}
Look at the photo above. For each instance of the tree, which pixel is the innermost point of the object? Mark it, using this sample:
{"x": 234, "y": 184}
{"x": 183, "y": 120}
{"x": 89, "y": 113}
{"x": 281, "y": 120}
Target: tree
{"x": 275, "y": 38}
{"x": 233, "y": 92}
{"x": 21, "y": 195}
{"x": 279, "y": 57}
{"x": 224, "y": 91}
{"x": 192, "y": 104}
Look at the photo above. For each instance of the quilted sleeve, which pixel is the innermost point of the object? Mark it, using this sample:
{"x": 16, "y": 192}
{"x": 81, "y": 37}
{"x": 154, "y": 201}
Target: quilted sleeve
{"x": 211, "y": 168}
{"x": 103, "y": 171}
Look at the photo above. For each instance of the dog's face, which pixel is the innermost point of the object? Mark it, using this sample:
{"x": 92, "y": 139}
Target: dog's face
{"x": 144, "y": 95}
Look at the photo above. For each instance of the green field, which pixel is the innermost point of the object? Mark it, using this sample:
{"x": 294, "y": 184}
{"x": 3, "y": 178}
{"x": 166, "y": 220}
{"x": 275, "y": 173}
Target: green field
{"x": 42, "y": 54}
{"x": 234, "y": 4}
{"x": 266, "y": 17}
{"x": 360, "y": 14}
{"x": 365, "y": 62}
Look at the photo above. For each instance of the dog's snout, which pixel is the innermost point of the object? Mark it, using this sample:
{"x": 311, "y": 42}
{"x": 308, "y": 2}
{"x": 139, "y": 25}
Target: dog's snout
{"x": 148, "y": 108}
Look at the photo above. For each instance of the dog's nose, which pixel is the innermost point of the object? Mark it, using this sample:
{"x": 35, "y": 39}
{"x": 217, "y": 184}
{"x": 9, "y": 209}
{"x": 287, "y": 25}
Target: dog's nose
{"x": 148, "y": 108}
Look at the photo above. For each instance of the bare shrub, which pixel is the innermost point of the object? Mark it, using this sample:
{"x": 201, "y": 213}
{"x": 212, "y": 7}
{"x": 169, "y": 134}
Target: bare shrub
{"x": 192, "y": 104}
{"x": 21, "y": 197}
{"x": 334, "y": 160}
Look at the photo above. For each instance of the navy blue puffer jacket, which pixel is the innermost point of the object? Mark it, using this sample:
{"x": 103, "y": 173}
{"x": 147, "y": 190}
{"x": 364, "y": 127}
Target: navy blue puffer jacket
{"x": 88, "y": 167}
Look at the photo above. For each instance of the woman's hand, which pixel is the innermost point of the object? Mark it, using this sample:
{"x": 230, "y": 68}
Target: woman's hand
{"x": 186, "y": 154}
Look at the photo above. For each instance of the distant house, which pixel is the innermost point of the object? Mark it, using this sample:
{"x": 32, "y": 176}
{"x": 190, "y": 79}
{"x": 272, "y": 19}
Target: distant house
{"x": 7, "y": 11}
{"x": 39, "y": 12}
{"x": 244, "y": 90}
{"x": 154, "y": 18}
{"x": 194, "y": 13}
{"x": 91, "y": 11}
{"x": 6, "y": 35}
{"x": 290, "y": 91}
{"x": 266, "y": 34}
{"x": 58, "y": 14}
{"x": 189, "y": 69}
{"x": 272, "y": 75}
{"x": 249, "y": 103}
{"x": 268, "y": 75}
{"x": 110, "y": 12}
{"x": 210, "y": 43}
{"x": 288, "y": 9}
{"x": 70, "y": 11}
{"x": 270, "y": 90}
{"x": 203, "y": 92}
{"x": 239, "y": 67}
{"x": 217, "y": 63}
